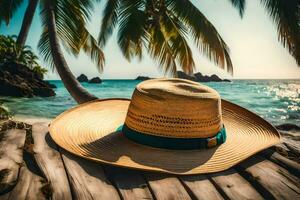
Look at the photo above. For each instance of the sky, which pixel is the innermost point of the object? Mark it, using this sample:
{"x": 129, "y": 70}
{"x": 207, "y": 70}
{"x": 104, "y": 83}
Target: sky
{"x": 253, "y": 42}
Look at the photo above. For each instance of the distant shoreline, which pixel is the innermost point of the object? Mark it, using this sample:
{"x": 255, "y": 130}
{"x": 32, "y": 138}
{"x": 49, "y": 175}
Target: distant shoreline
{"x": 276, "y": 101}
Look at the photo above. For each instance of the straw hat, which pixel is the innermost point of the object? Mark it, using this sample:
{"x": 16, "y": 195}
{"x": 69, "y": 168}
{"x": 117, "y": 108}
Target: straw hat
{"x": 170, "y": 125}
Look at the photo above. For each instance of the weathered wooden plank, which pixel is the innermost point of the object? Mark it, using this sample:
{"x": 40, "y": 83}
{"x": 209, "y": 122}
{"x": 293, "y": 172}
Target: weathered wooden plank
{"x": 290, "y": 146}
{"x": 130, "y": 183}
{"x": 50, "y": 162}
{"x": 87, "y": 178}
{"x": 284, "y": 162}
{"x": 29, "y": 186}
{"x": 200, "y": 187}
{"x": 166, "y": 187}
{"x": 11, "y": 157}
{"x": 234, "y": 185}
{"x": 275, "y": 180}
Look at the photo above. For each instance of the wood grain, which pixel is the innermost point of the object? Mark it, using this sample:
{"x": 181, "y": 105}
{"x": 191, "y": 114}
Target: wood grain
{"x": 11, "y": 158}
{"x": 290, "y": 165}
{"x": 29, "y": 186}
{"x": 200, "y": 187}
{"x": 130, "y": 183}
{"x": 276, "y": 180}
{"x": 166, "y": 187}
{"x": 234, "y": 185}
{"x": 50, "y": 162}
{"x": 87, "y": 178}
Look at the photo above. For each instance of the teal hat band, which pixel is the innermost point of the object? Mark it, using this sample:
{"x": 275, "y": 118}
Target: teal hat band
{"x": 174, "y": 143}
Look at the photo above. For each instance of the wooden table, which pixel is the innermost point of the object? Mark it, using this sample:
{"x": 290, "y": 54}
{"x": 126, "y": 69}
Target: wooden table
{"x": 32, "y": 166}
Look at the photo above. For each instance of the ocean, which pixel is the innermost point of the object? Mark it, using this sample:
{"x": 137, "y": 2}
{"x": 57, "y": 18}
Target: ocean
{"x": 277, "y": 101}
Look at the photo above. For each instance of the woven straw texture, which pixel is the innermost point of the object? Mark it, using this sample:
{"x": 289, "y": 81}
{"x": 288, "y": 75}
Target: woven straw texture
{"x": 175, "y": 108}
{"x": 89, "y": 131}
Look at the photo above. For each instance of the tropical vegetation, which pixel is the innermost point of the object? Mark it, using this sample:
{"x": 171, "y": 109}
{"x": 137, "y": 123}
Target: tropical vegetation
{"x": 63, "y": 22}
{"x": 4, "y": 113}
{"x": 10, "y": 51}
{"x": 160, "y": 28}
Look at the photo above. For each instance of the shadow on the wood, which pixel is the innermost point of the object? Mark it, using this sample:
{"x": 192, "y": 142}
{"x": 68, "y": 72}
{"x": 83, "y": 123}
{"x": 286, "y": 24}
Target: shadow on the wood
{"x": 117, "y": 149}
{"x": 121, "y": 176}
{"x": 31, "y": 163}
{"x": 91, "y": 168}
{"x": 252, "y": 160}
{"x": 50, "y": 142}
{"x": 223, "y": 173}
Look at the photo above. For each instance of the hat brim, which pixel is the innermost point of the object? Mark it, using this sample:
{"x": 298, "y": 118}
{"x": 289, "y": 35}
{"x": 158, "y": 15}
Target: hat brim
{"x": 90, "y": 131}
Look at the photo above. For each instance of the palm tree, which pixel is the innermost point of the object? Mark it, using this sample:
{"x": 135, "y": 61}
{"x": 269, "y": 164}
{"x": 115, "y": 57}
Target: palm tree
{"x": 50, "y": 40}
{"x": 162, "y": 27}
{"x": 63, "y": 21}
{"x": 8, "y": 9}
{"x": 26, "y": 23}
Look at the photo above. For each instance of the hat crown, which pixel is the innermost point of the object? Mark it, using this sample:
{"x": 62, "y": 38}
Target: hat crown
{"x": 175, "y": 108}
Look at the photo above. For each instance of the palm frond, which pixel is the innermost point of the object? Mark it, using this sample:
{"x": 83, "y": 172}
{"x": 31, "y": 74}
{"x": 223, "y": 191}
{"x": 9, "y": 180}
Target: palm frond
{"x": 7, "y": 9}
{"x": 131, "y": 33}
{"x": 286, "y": 16}
{"x": 160, "y": 49}
{"x": 109, "y": 20}
{"x": 240, "y": 5}
{"x": 71, "y": 17}
{"x": 203, "y": 32}
{"x": 177, "y": 33}
{"x": 45, "y": 49}
{"x": 90, "y": 47}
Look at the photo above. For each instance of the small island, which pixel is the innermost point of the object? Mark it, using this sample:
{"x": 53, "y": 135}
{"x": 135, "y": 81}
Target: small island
{"x": 142, "y": 78}
{"x": 82, "y": 78}
{"x": 95, "y": 80}
{"x": 198, "y": 77}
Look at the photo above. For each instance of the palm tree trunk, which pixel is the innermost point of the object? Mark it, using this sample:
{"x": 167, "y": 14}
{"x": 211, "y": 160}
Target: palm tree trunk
{"x": 70, "y": 82}
{"x": 27, "y": 20}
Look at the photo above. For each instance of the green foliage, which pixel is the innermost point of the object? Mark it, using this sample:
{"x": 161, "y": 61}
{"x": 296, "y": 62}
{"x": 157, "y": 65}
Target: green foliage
{"x": 162, "y": 28}
{"x": 71, "y": 17}
{"x": 240, "y": 5}
{"x": 4, "y": 114}
{"x": 11, "y": 52}
{"x": 286, "y": 16}
{"x": 7, "y": 9}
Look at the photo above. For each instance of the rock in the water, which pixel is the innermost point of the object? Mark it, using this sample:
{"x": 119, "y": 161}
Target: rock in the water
{"x": 19, "y": 81}
{"x": 200, "y": 78}
{"x": 142, "y": 78}
{"x": 288, "y": 127}
{"x": 82, "y": 78}
{"x": 50, "y": 84}
{"x": 215, "y": 78}
{"x": 95, "y": 80}
{"x": 183, "y": 75}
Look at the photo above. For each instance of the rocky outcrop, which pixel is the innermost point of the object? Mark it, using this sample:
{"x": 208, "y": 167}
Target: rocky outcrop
{"x": 200, "y": 78}
{"x": 51, "y": 84}
{"x": 82, "y": 78}
{"x": 183, "y": 75}
{"x": 95, "y": 80}
{"x": 142, "y": 78}
{"x": 19, "y": 81}
{"x": 288, "y": 127}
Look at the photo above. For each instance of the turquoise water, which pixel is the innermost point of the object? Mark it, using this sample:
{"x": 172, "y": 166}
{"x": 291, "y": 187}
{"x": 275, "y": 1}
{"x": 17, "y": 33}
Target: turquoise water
{"x": 278, "y": 101}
